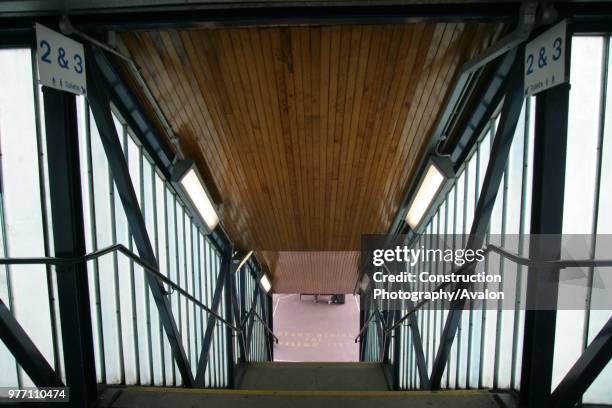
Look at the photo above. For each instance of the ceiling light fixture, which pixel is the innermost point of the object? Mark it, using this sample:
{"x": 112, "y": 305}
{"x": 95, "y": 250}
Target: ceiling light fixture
{"x": 438, "y": 172}
{"x": 192, "y": 189}
{"x": 265, "y": 283}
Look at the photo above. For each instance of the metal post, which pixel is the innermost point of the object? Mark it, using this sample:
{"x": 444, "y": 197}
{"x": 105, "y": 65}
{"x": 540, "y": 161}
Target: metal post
{"x": 270, "y": 319}
{"x": 243, "y": 271}
{"x": 266, "y": 335}
{"x": 396, "y": 351}
{"x": 237, "y": 317}
{"x": 387, "y": 319}
{"x": 548, "y": 189}
{"x": 364, "y": 299}
{"x": 251, "y": 321}
{"x": 100, "y": 107}
{"x": 494, "y": 174}
{"x": 229, "y": 277}
{"x": 69, "y": 242}
{"x": 362, "y": 319}
{"x": 212, "y": 322}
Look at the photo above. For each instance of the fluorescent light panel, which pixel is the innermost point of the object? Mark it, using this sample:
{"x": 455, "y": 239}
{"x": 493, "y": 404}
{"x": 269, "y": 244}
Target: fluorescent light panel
{"x": 197, "y": 194}
{"x": 430, "y": 185}
{"x": 265, "y": 283}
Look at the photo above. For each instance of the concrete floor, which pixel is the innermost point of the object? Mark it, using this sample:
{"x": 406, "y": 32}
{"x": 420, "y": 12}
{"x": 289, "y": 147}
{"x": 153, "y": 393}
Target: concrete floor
{"x": 185, "y": 398}
{"x": 315, "y": 331}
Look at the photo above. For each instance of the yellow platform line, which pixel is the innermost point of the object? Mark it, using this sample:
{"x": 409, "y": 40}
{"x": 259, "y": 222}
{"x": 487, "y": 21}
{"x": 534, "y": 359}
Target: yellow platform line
{"x": 311, "y": 393}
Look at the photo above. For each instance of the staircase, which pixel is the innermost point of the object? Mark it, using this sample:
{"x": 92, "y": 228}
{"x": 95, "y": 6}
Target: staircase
{"x": 301, "y": 385}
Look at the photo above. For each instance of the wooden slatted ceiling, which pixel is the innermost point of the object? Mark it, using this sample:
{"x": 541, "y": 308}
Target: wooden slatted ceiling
{"x": 315, "y": 272}
{"x": 310, "y": 134}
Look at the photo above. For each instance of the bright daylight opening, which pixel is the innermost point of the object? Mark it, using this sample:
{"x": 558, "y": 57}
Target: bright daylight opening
{"x": 316, "y": 327}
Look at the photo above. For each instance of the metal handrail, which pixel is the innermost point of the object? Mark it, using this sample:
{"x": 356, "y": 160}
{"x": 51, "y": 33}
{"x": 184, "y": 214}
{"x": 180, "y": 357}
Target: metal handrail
{"x": 559, "y": 263}
{"x": 523, "y": 261}
{"x": 366, "y": 325}
{"x": 255, "y": 314}
{"x": 122, "y": 249}
{"x": 265, "y": 325}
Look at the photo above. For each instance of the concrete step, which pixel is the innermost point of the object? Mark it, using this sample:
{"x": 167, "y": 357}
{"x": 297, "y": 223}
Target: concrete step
{"x": 151, "y": 397}
{"x": 314, "y": 377}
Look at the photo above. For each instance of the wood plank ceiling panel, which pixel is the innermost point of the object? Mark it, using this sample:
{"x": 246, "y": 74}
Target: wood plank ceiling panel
{"x": 310, "y": 134}
{"x": 316, "y": 272}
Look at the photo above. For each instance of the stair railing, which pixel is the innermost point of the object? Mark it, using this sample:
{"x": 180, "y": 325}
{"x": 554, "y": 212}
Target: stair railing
{"x": 132, "y": 256}
{"x": 520, "y": 260}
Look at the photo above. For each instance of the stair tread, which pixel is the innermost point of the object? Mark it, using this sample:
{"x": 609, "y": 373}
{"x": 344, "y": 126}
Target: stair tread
{"x": 150, "y": 397}
{"x": 314, "y": 376}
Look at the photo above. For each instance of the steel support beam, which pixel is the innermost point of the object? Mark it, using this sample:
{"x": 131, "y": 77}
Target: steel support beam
{"x": 99, "y": 102}
{"x": 362, "y": 320}
{"x": 229, "y": 297}
{"x": 25, "y": 351}
{"x": 495, "y": 171}
{"x": 262, "y": 300}
{"x": 366, "y": 311}
{"x": 389, "y": 316}
{"x": 584, "y": 371}
{"x": 124, "y": 16}
{"x": 212, "y": 322}
{"x": 380, "y": 331}
{"x": 549, "y": 157}
{"x": 270, "y": 320}
{"x": 417, "y": 342}
{"x": 486, "y": 100}
{"x": 238, "y": 318}
{"x": 69, "y": 242}
{"x": 242, "y": 276}
{"x": 130, "y": 109}
{"x": 396, "y": 351}
{"x": 251, "y": 321}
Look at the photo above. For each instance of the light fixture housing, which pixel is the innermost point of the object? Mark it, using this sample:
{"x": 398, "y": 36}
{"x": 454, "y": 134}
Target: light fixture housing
{"x": 265, "y": 283}
{"x": 364, "y": 283}
{"x": 435, "y": 179}
{"x": 189, "y": 184}
{"x": 241, "y": 257}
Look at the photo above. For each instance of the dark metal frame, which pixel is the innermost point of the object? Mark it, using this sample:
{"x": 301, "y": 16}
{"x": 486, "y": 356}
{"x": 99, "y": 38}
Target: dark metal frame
{"x": 550, "y": 144}
{"x": 25, "y": 351}
{"x": 101, "y": 109}
{"x": 510, "y": 70}
{"x": 585, "y": 370}
{"x": 251, "y": 318}
{"x": 488, "y": 98}
{"x": 495, "y": 170}
{"x": 218, "y": 237}
{"x": 237, "y": 316}
{"x": 199, "y": 16}
{"x": 211, "y": 323}
{"x": 69, "y": 242}
{"x": 33, "y": 361}
{"x": 547, "y": 210}
{"x": 172, "y": 16}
